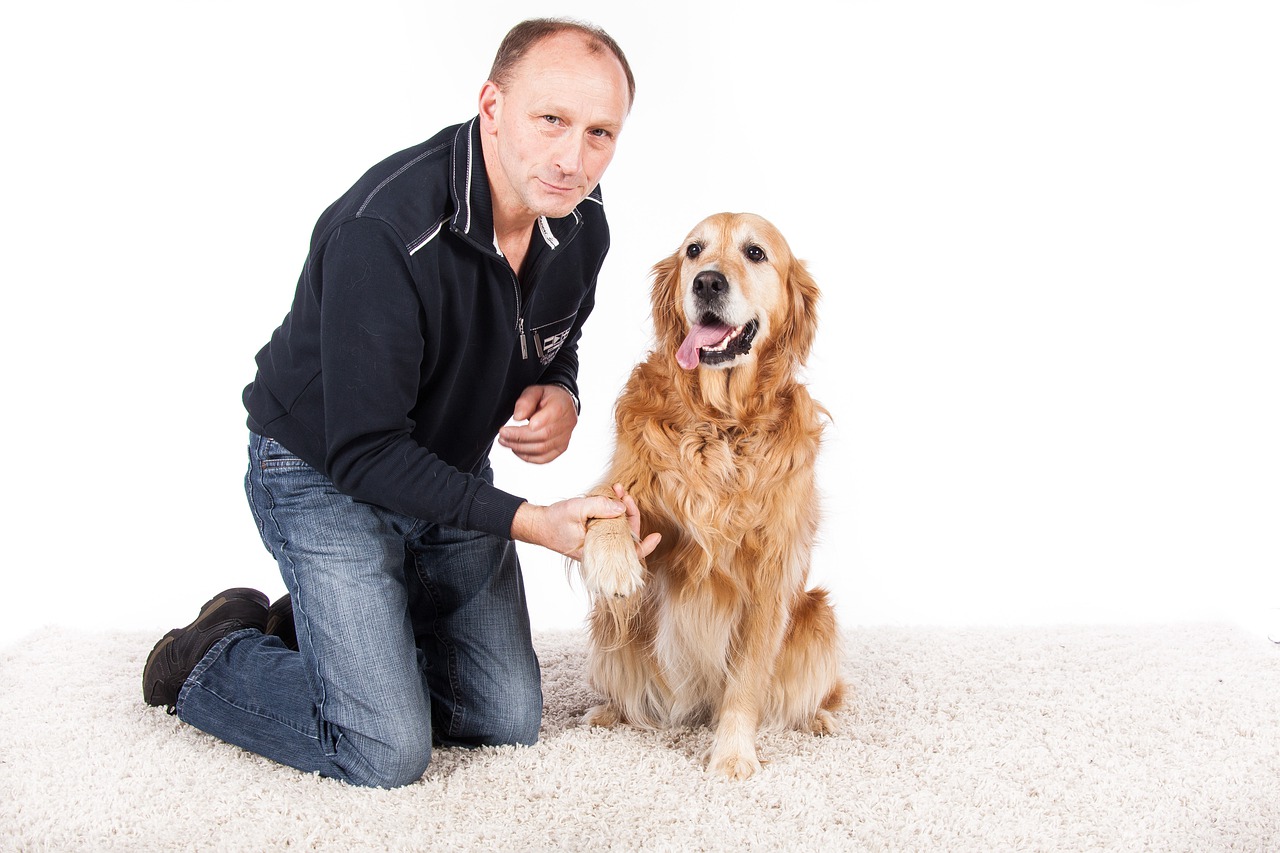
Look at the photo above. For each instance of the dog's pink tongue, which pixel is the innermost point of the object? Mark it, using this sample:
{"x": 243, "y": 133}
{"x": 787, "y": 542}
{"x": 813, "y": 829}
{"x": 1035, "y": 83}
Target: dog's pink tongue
{"x": 700, "y": 336}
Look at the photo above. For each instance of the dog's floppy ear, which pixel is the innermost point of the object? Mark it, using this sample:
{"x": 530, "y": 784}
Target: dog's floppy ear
{"x": 666, "y": 300}
{"x": 797, "y": 336}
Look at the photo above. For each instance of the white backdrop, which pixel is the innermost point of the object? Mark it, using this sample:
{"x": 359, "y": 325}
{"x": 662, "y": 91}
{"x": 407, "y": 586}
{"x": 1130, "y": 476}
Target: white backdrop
{"x": 1047, "y": 235}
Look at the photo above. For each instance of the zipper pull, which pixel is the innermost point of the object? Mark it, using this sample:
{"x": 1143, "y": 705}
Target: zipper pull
{"x": 524, "y": 345}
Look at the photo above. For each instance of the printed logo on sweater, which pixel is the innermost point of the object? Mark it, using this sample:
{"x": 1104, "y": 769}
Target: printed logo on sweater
{"x": 548, "y": 339}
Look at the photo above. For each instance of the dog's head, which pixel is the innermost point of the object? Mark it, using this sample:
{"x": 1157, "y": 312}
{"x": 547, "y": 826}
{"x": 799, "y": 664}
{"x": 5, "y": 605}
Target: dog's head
{"x": 733, "y": 292}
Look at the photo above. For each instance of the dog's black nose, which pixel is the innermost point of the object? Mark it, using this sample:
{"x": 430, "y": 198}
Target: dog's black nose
{"x": 709, "y": 283}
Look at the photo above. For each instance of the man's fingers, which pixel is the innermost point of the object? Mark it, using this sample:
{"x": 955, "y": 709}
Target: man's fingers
{"x": 525, "y": 439}
{"x": 528, "y": 449}
{"x": 646, "y": 546}
{"x": 602, "y": 507}
{"x": 650, "y": 542}
{"x": 524, "y": 433}
{"x": 633, "y": 511}
{"x": 526, "y": 404}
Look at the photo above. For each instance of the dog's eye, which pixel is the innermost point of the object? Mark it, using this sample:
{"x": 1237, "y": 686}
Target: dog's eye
{"x": 693, "y": 251}
{"x": 754, "y": 254}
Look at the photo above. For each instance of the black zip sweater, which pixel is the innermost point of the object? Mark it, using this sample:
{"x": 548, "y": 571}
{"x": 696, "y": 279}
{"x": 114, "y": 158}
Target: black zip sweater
{"x": 410, "y": 337}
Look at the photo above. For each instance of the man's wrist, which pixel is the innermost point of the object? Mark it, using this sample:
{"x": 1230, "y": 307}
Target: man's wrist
{"x": 524, "y": 523}
{"x": 577, "y": 404}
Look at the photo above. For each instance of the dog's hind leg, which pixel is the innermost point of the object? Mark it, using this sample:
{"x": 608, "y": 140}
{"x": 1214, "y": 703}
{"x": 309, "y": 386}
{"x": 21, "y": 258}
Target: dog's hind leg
{"x": 605, "y": 716}
{"x": 807, "y": 686}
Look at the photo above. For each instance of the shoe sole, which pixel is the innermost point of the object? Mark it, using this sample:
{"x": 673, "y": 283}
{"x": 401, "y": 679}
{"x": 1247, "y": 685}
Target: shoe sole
{"x": 206, "y": 611}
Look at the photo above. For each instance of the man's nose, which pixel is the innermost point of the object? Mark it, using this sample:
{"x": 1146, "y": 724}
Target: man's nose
{"x": 568, "y": 155}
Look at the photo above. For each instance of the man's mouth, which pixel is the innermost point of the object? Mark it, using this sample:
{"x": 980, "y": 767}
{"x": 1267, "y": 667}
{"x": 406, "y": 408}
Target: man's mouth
{"x": 556, "y": 188}
{"x": 713, "y": 342}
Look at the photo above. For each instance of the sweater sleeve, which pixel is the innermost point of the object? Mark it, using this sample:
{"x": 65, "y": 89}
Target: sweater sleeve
{"x": 373, "y": 334}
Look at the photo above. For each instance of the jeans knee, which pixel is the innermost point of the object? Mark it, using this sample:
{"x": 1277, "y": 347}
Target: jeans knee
{"x": 527, "y": 719}
{"x": 524, "y": 727}
{"x": 397, "y": 763}
{"x": 516, "y": 723}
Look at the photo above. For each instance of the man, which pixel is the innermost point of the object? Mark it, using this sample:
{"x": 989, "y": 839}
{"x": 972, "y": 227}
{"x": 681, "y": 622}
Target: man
{"x": 443, "y": 296}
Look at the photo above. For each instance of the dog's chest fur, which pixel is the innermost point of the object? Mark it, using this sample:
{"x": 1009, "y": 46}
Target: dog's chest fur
{"x": 719, "y": 474}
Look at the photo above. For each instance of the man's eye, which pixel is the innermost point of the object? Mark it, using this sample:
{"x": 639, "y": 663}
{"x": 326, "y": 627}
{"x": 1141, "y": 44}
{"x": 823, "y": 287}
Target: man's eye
{"x": 755, "y": 254}
{"x": 551, "y": 119}
{"x": 693, "y": 251}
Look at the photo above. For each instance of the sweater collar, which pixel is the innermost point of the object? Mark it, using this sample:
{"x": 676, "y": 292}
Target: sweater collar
{"x": 473, "y": 201}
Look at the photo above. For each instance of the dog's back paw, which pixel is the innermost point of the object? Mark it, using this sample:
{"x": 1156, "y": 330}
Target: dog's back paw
{"x": 604, "y": 716}
{"x": 823, "y": 723}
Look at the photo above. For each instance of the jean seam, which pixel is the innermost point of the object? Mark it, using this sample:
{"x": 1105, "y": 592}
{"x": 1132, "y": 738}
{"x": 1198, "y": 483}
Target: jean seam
{"x": 215, "y": 652}
{"x": 299, "y": 605}
{"x": 456, "y": 713}
{"x": 349, "y": 758}
{"x": 247, "y": 709}
{"x": 258, "y": 713}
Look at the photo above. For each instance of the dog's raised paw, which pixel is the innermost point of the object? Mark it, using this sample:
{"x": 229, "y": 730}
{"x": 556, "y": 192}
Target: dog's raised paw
{"x": 611, "y": 567}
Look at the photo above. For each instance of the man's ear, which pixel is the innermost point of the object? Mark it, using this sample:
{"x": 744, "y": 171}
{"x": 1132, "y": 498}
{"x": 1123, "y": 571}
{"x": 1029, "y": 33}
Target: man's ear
{"x": 490, "y": 106}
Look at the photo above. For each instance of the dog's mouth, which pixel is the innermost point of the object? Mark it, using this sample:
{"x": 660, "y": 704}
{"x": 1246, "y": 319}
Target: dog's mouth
{"x": 713, "y": 342}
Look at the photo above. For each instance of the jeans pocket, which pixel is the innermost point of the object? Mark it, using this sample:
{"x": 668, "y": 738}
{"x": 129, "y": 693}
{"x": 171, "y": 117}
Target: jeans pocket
{"x": 274, "y": 474}
{"x": 274, "y": 456}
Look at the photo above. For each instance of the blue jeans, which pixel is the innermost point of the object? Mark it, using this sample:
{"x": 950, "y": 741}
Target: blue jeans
{"x": 409, "y": 634}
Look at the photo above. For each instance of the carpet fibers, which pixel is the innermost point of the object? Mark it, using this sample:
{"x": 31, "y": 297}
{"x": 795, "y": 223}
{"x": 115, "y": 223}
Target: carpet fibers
{"x": 1159, "y": 738}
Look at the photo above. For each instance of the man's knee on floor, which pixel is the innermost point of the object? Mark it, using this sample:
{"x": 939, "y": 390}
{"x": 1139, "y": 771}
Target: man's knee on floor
{"x": 514, "y": 723}
{"x": 399, "y": 762}
{"x": 524, "y": 727}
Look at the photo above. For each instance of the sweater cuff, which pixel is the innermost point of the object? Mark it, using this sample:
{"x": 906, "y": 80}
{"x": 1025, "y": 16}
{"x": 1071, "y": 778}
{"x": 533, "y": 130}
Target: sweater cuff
{"x": 493, "y": 511}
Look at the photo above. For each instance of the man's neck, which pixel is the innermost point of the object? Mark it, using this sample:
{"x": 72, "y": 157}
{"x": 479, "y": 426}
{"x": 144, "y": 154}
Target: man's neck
{"x": 512, "y": 222}
{"x": 513, "y": 242}
{"x": 513, "y": 234}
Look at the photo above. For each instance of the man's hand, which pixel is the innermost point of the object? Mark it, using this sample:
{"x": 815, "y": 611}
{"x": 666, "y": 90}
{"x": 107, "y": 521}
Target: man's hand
{"x": 643, "y": 548}
{"x": 562, "y": 527}
{"x": 550, "y": 416}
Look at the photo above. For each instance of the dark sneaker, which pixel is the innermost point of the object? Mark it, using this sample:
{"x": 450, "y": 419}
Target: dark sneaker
{"x": 280, "y": 621}
{"x": 178, "y": 651}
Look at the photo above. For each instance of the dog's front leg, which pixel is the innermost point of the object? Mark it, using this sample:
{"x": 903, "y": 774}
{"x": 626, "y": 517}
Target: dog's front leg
{"x": 611, "y": 566}
{"x": 752, "y": 660}
{"x": 733, "y": 752}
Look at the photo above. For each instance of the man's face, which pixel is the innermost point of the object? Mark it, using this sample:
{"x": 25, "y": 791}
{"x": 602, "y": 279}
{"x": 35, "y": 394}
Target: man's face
{"x": 553, "y": 127}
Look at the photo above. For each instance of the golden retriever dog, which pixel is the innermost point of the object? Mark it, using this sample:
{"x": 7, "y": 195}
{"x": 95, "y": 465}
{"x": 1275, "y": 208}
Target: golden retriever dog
{"x": 717, "y": 441}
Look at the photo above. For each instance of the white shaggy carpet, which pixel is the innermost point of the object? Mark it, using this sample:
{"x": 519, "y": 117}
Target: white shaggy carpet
{"x": 1137, "y": 738}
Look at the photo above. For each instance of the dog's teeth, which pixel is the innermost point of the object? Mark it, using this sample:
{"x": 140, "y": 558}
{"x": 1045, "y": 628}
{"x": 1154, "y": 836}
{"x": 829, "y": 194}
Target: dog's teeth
{"x": 724, "y": 345}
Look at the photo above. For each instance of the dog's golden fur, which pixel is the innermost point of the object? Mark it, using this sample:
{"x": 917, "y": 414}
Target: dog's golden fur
{"x": 718, "y": 624}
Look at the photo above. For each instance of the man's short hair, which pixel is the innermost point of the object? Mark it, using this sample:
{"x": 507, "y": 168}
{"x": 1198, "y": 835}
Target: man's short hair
{"x": 526, "y": 34}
